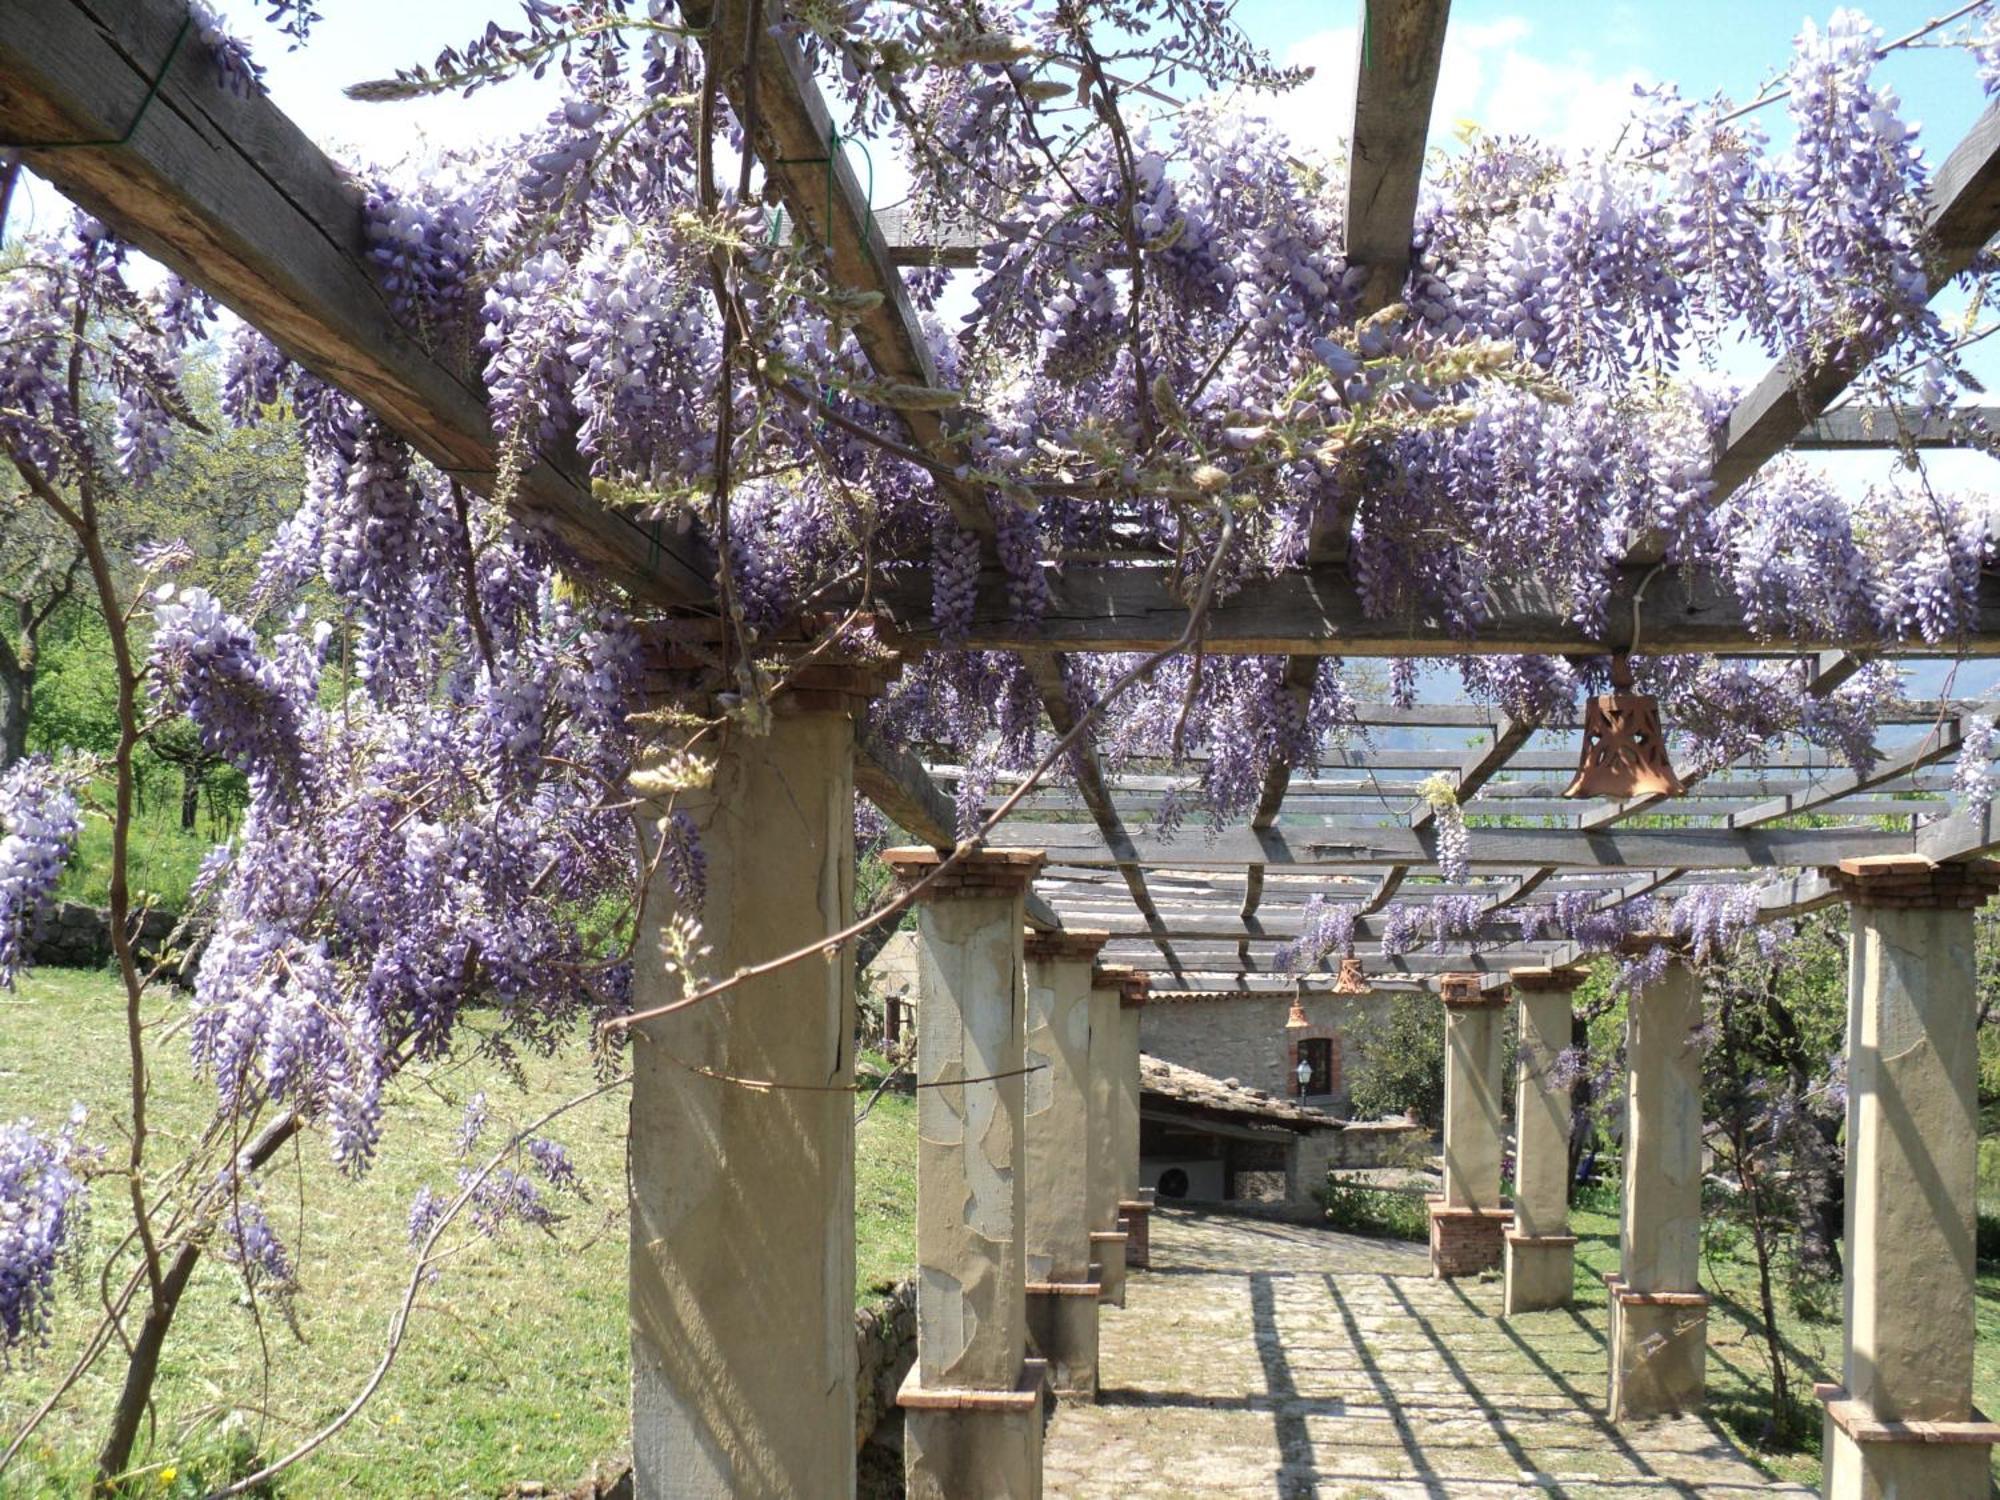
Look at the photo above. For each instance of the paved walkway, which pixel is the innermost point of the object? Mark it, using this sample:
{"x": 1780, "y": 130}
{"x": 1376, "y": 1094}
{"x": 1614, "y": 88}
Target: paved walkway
{"x": 1259, "y": 1358}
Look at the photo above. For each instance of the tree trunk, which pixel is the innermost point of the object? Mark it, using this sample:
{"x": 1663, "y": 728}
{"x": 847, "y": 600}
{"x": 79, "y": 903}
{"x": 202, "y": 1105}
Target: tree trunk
{"x": 190, "y": 797}
{"x": 17, "y": 701}
{"x": 142, "y": 1368}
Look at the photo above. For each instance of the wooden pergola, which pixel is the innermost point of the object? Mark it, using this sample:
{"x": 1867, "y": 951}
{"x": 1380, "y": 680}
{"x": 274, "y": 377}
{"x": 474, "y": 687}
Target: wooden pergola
{"x": 230, "y": 193}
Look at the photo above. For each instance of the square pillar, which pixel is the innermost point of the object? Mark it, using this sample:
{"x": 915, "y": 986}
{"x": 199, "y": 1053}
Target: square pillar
{"x": 972, "y": 1400}
{"x": 1468, "y": 1220}
{"x": 1063, "y": 1285}
{"x": 1107, "y": 1228}
{"x": 1135, "y": 1204}
{"x": 1902, "y": 1422}
{"x": 1540, "y": 1249}
{"x": 1659, "y": 1316}
{"x": 742, "y": 1200}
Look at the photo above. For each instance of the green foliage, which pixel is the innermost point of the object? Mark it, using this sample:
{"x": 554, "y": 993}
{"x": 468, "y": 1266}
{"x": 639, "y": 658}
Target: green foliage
{"x": 885, "y": 1195}
{"x": 1384, "y": 1212}
{"x": 1400, "y": 1061}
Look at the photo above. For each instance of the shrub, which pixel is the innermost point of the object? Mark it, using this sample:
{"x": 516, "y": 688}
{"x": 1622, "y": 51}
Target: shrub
{"x": 1386, "y": 1213}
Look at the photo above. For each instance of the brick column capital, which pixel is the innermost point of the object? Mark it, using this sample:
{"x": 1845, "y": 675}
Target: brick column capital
{"x": 1462, "y": 992}
{"x": 1911, "y": 882}
{"x": 1078, "y": 945}
{"x": 983, "y": 872}
{"x": 1535, "y": 979}
{"x": 1132, "y": 985}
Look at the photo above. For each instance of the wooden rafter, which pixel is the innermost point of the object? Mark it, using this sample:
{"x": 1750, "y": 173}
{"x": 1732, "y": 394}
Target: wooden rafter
{"x": 231, "y": 194}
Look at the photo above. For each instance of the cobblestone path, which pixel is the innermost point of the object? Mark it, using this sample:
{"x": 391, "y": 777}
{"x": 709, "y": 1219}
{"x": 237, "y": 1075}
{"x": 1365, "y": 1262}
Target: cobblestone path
{"x": 1260, "y": 1358}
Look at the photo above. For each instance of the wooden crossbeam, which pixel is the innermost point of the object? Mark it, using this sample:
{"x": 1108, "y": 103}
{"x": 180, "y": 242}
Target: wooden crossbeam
{"x": 1495, "y": 961}
{"x": 1849, "y": 428}
{"x": 1502, "y": 848}
{"x": 231, "y": 194}
{"x": 1396, "y": 70}
{"x": 1317, "y": 610}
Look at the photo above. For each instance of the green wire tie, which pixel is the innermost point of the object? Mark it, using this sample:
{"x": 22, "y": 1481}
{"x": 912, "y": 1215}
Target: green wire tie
{"x": 152, "y": 93}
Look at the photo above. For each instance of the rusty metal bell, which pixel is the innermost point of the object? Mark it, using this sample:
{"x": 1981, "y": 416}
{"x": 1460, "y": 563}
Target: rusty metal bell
{"x": 1624, "y": 750}
{"x": 1353, "y": 978}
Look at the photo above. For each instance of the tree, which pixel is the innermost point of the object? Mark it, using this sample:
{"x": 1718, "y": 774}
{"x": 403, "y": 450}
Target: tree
{"x": 39, "y": 562}
{"x": 1400, "y": 1061}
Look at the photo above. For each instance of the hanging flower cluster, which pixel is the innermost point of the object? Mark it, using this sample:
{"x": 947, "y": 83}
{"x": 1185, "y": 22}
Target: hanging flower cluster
{"x": 44, "y": 1197}
{"x": 39, "y": 823}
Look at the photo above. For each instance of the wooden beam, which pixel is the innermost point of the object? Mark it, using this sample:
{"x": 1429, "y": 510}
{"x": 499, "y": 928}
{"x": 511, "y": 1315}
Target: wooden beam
{"x": 894, "y": 779}
{"x": 1317, "y": 611}
{"x": 1504, "y": 848}
{"x": 1878, "y": 427}
{"x": 1402, "y": 45}
{"x": 231, "y": 194}
{"x": 1456, "y": 961}
{"x": 1395, "y": 82}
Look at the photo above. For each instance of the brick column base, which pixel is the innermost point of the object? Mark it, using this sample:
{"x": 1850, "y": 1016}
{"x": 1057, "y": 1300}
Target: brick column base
{"x": 966, "y": 1442}
{"x": 1466, "y": 1241}
{"x": 1659, "y": 1351}
{"x": 1541, "y": 1271}
{"x": 1138, "y": 1216}
{"x": 1062, "y": 1320}
{"x": 1868, "y": 1457}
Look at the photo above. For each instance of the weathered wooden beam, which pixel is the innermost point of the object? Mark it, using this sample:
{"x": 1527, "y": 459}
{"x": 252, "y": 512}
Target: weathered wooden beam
{"x": 1318, "y": 611}
{"x": 1877, "y": 427}
{"x": 1402, "y": 45}
{"x": 894, "y": 779}
{"x": 1504, "y": 848}
{"x": 1401, "y": 48}
{"x": 769, "y": 84}
{"x": 1457, "y": 961}
{"x": 1942, "y": 744}
{"x": 231, "y": 194}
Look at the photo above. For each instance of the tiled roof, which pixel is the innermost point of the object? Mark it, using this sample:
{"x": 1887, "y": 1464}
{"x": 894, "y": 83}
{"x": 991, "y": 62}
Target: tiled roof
{"x": 1174, "y": 1084}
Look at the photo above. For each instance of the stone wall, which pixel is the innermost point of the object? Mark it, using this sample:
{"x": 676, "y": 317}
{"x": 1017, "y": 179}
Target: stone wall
{"x": 75, "y": 936}
{"x": 1243, "y": 1037}
{"x": 885, "y": 1338}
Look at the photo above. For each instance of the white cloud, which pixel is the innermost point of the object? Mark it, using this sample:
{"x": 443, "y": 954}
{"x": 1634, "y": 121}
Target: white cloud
{"x": 1500, "y": 75}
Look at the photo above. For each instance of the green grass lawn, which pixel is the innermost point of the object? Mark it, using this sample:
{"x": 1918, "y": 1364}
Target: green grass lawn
{"x": 1739, "y": 1379}
{"x": 516, "y": 1368}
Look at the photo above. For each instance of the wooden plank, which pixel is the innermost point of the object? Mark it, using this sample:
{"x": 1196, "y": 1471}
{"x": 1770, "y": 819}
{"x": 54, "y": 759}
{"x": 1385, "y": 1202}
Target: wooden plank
{"x": 1876, "y": 427}
{"x": 792, "y": 134}
{"x": 1939, "y": 746}
{"x": 1402, "y": 44}
{"x": 1457, "y": 961}
{"x": 1396, "y": 70}
{"x": 1317, "y": 611}
{"x": 231, "y": 194}
{"x": 894, "y": 779}
{"x": 1506, "y": 848}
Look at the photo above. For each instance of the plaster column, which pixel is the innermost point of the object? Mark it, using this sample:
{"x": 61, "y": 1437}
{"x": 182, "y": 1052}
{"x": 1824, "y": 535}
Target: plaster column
{"x": 1135, "y": 1203}
{"x": 1107, "y": 1229}
{"x": 1659, "y": 1316}
{"x": 1468, "y": 1220}
{"x": 1903, "y": 1423}
{"x": 1540, "y": 1249}
{"x": 972, "y": 1402}
{"x": 1063, "y": 1285}
{"x": 742, "y": 1200}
